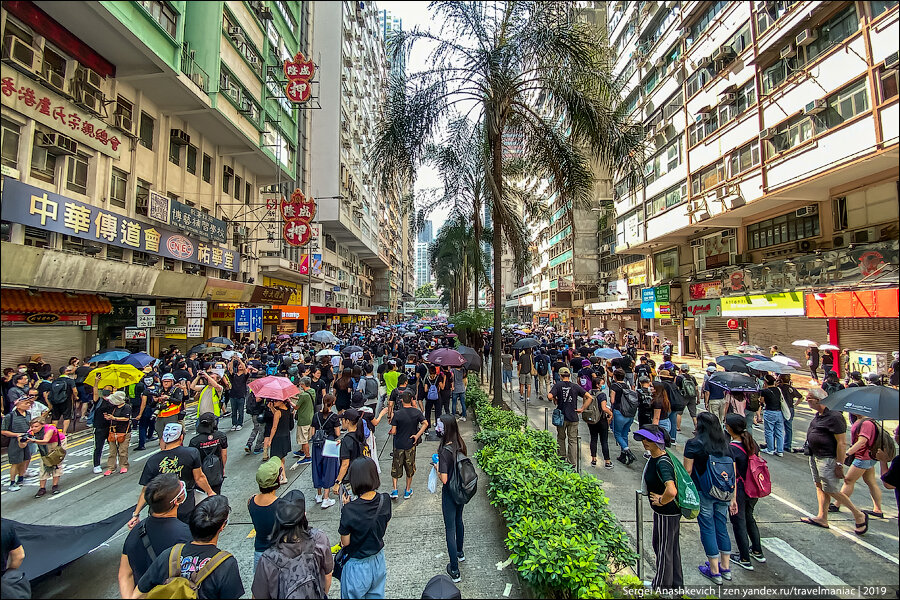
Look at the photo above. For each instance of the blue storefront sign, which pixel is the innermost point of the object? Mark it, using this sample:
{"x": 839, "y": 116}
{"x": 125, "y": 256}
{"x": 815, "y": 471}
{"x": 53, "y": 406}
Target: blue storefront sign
{"x": 648, "y": 295}
{"x": 248, "y": 320}
{"x": 647, "y": 310}
{"x": 32, "y": 206}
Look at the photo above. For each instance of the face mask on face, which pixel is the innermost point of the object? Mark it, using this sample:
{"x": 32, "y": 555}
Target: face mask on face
{"x": 105, "y": 393}
{"x": 23, "y": 370}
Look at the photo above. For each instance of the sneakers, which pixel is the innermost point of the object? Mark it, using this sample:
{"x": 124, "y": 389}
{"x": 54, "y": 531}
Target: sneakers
{"x": 454, "y": 575}
{"x": 779, "y": 454}
{"x": 238, "y": 428}
{"x": 757, "y": 556}
{"x": 139, "y": 448}
{"x": 462, "y": 419}
{"x": 298, "y": 453}
{"x": 304, "y": 461}
{"x": 14, "y": 487}
{"x": 31, "y": 473}
{"x": 55, "y": 489}
{"x": 41, "y": 493}
{"x": 407, "y": 494}
{"x": 327, "y": 502}
{"x": 394, "y": 494}
{"x": 714, "y": 577}
{"x": 98, "y": 470}
{"x": 123, "y": 470}
{"x": 461, "y": 557}
{"x": 233, "y": 428}
{"x": 107, "y": 472}
{"x": 593, "y": 462}
{"x": 247, "y": 450}
{"x": 746, "y": 564}
{"x": 621, "y": 459}
{"x": 318, "y": 498}
{"x": 726, "y": 573}
{"x": 608, "y": 465}
{"x": 258, "y": 451}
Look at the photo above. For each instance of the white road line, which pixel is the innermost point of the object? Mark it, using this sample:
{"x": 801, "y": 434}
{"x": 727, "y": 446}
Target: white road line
{"x": 852, "y": 537}
{"x": 799, "y": 561}
{"x": 72, "y": 489}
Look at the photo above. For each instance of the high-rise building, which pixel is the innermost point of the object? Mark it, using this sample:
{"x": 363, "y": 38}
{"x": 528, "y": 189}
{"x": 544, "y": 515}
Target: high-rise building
{"x": 389, "y": 23}
{"x": 772, "y": 174}
{"x": 423, "y": 243}
{"x": 426, "y": 234}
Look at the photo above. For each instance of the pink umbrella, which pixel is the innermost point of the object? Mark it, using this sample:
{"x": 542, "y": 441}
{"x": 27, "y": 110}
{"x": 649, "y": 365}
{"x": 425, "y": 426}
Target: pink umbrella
{"x": 275, "y": 388}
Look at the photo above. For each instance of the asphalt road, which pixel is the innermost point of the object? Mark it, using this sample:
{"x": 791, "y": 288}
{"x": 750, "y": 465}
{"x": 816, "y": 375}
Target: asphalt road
{"x": 415, "y": 549}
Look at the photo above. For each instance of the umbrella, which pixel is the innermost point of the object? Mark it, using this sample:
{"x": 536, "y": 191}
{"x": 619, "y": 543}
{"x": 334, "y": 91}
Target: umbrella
{"x": 324, "y": 337}
{"x": 299, "y": 334}
{"x": 828, "y": 347}
{"x": 219, "y": 341}
{"x": 520, "y": 332}
{"x": 597, "y": 336}
{"x": 873, "y": 401}
{"x": 446, "y": 357}
{"x": 769, "y": 366}
{"x": 451, "y": 335}
{"x": 327, "y": 352}
{"x": 108, "y": 356}
{"x": 608, "y": 353}
{"x": 117, "y": 376}
{"x": 526, "y": 343}
{"x": 652, "y": 334}
{"x": 203, "y": 349}
{"x": 138, "y": 359}
{"x": 409, "y": 334}
{"x": 473, "y": 361}
{"x": 283, "y": 336}
{"x": 750, "y": 357}
{"x": 272, "y": 387}
{"x": 352, "y": 349}
{"x": 785, "y": 360}
{"x": 805, "y": 343}
{"x": 733, "y": 363}
{"x": 734, "y": 382}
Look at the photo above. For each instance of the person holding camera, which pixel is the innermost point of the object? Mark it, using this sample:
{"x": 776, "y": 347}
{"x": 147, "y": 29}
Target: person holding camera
{"x": 15, "y": 424}
{"x": 52, "y": 446}
{"x": 211, "y": 389}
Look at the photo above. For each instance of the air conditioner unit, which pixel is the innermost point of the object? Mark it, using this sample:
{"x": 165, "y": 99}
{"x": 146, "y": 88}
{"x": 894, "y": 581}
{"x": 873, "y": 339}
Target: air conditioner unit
{"x": 703, "y": 62}
{"x": 743, "y": 259}
{"x": 605, "y": 248}
{"x": 806, "y": 245}
{"x": 227, "y": 170}
{"x": 88, "y": 77}
{"x": 815, "y": 107}
{"x": 236, "y": 34}
{"x": 58, "y": 144}
{"x": 728, "y": 98}
{"x": 234, "y": 92}
{"x": 767, "y": 134}
{"x": 661, "y": 128}
{"x": 180, "y": 137}
{"x": 789, "y": 51}
{"x": 19, "y": 52}
{"x": 806, "y": 211}
{"x": 124, "y": 123}
{"x": 806, "y": 37}
{"x": 660, "y": 62}
{"x": 725, "y": 54}
{"x": 862, "y": 236}
{"x": 54, "y": 80}
{"x": 197, "y": 78}
{"x": 891, "y": 61}
{"x": 684, "y": 33}
{"x": 701, "y": 117}
{"x": 89, "y": 100}
{"x": 838, "y": 241}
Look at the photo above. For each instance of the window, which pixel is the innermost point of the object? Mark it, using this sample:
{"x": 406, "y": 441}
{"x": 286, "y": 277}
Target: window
{"x": 697, "y": 80}
{"x": 744, "y": 98}
{"x": 227, "y": 173}
{"x": 142, "y": 258}
{"x": 117, "y": 187}
{"x": 77, "y": 173}
{"x": 37, "y": 237}
{"x": 72, "y": 244}
{"x": 53, "y": 61}
{"x": 192, "y": 160}
{"x": 43, "y": 164}
{"x": 744, "y": 158}
{"x": 174, "y": 153}
{"x": 238, "y": 182}
{"x": 207, "y": 167}
{"x": 665, "y": 264}
{"x": 880, "y": 6}
{"x": 247, "y": 198}
{"x": 887, "y": 86}
{"x": 708, "y": 178}
{"x": 10, "y": 144}
{"x": 664, "y": 161}
{"x": 142, "y": 198}
{"x": 124, "y": 108}
{"x": 714, "y": 251}
{"x": 791, "y": 133}
{"x": 781, "y": 230}
{"x": 115, "y": 253}
{"x": 839, "y": 210}
{"x": 705, "y": 19}
{"x": 769, "y": 12}
{"x": 168, "y": 264}
{"x": 146, "y": 132}
{"x": 847, "y": 103}
{"x": 162, "y": 14}
{"x": 664, "y": 201}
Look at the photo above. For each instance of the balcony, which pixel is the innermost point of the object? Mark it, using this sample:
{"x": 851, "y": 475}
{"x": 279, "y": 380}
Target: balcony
{"x": 283, "y": 268}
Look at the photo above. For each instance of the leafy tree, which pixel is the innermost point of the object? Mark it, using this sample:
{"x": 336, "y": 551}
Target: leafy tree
{"x": 425, "y": 291}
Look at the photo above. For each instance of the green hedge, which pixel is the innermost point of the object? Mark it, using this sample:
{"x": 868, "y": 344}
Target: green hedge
{"x": 563, "y": 539}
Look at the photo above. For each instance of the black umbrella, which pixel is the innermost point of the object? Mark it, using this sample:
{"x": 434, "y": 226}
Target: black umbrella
{"x": 473, "y": 361}
{"x": 351, "y": 349}
{"x": 220, "y": 341}
{"x": 733, "y": 363}
{"x": 203, "y": 349}
{"x": 524, "y": 343}
{"x": 734, "y": 382}
{"x": 873, "y": 401}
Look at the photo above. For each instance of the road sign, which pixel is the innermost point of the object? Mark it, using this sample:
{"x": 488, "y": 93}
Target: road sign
{"x": 146, "y": 316}
{"x": 247, "y": 320}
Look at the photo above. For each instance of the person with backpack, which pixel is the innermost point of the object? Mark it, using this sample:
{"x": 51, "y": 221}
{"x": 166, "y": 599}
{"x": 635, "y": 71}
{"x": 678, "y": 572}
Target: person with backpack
{"x": 707, "y": 457}
{"x": 687, "y": 385}
{"x": 625, "y": 404}
{"x": 197, "y": 569}
{"x": 304, "y": 405}
{"x": 261, "y": 506}
{"x": 154, "y": 535}
{"x": 598, "y": 416}
{"x": 660, "y": 484}
{"x": 566, "y": 394}
{"x": 542, "y": 379}
{"x": 213, "y": 447}
{"x": 429, "y": 394}
{"x": 752, "y": 483}
{"x": 256, "y": 408}
{"x": 459, "y": 482}
{"x": 61, "y": 399}
{"x": 867, "y": 438}
{"x": 352, "y": 446}
{"x": 363, "y": 523}
{"x": 676, "y": 402}
{"x": 299, "y": 562}
{"x": 52, "y": 448}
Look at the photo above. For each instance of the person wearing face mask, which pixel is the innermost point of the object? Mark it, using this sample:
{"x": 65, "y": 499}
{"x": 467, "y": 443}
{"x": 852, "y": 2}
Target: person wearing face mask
{"x": 19, "y": 387}
{"x": 119, "y": 417}
{"x": 169, "y": 400}
{"x": 101, "y": 423}
{"x": 148, "y": 394}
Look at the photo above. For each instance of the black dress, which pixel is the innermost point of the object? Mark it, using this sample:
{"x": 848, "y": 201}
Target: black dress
{"x": 281, "y": 436}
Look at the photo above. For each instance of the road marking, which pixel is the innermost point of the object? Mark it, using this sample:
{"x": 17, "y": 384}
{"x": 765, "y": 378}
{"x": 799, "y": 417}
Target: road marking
{"x": 853, "y": 538}
{"x": 507, "y": 590}
{"x": 797, "y": 560}
{"x": 72, "y": 489}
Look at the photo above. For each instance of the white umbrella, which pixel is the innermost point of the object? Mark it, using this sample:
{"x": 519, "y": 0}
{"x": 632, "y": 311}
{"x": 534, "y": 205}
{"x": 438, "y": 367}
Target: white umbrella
{"x": 652, "y": 334}
{"x": 785, "y": 360}
{"x": 328, "y": 352}
{"x": 828, "y": 347}
{"x": 805, "y": 343}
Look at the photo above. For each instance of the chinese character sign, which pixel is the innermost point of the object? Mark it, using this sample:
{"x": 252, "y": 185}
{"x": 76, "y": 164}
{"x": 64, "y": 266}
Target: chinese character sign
{"x": 195, "y": 221}
{"x": 297, "y": 213}
{"x": 28, "y": 205}
{"x": 299, "y": 72}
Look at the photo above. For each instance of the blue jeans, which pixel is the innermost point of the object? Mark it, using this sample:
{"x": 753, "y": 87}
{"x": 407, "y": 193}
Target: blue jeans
{"x": 145, "y": 426}
{"x": 453, "y": 526}
{"x": 673, "y": 424}
{"x": 237, "y": 411}
{"x": 461, "y": 396}
{"x": 713, "y": 521}
{"x": 364, "y": 577}
{"x": 789, "y": 430}
{"x": 507, "y": 376}
{"x": 774, "y": 428}
{"x": 256, "y": 555}
{"x": 621, "y": 428}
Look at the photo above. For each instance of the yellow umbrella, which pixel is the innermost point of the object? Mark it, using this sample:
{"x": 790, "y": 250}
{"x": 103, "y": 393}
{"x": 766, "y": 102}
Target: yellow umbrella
{"x": 117, "y": 376}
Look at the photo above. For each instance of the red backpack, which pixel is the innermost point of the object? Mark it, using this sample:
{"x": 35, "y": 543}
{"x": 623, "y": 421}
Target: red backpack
{"x": 757, "y": 483}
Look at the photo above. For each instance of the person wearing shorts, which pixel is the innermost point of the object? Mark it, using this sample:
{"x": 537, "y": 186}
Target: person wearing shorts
{"x": 862, "y": 435}
{"x": 506, "y": 362}
{"x": 525, "y": 363}
{"x": 408, "y": 425}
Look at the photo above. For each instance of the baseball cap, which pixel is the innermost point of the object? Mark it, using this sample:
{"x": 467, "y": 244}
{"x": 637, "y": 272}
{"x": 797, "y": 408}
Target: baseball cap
{"x": 351, "y": 414}
{"x": 565, "y": 371}
{"x": 643, "y": 434}
{"x": 290, "y": 508}
{"x": 711, "y": 369}
{"x": 172, "y": 432}
{"x": 685, "y": 367}
{"x": 206, "y": 423}
{"x": 268, "y": 473}
{"x": 168, "y": 377}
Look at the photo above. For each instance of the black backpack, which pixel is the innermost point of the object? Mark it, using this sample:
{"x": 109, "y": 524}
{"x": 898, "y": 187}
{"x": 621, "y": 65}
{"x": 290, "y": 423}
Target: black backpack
{"x": 298, "y": 577}
{"x": 541, "y": 366}
{"x": 629, "y": 400}
{"x": 212, "y": 468}
{"x": 59, "y": 391}
{"x": 676, "y": 400}
{"x": 464, "y": 482}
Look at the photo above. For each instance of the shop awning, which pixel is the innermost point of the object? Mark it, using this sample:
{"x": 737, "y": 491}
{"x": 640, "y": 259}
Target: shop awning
{"x": 62, "y": 303}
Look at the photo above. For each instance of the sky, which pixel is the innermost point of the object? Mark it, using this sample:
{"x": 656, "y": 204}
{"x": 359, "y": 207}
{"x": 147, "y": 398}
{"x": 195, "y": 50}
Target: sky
{"x": 415, "y": 14}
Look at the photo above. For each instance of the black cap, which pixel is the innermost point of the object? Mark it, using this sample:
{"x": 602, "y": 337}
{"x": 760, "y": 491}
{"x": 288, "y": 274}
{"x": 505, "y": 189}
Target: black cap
{"x": 290, "y": 508}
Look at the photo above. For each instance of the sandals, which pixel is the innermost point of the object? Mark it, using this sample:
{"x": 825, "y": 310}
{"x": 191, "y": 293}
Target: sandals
{"x": 811, "y": 521}
{"x": 833, "y": 508}
{"x": 864, "y": 526}
{"x": 872, "y": 513}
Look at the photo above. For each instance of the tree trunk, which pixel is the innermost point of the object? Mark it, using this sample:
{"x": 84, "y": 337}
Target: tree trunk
{"x": 497, "y": 243}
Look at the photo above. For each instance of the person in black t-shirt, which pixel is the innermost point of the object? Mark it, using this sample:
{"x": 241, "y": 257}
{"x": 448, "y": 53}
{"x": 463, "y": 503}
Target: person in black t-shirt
{"x": 206, "y": 524}
{"x": 566, "y": 394}
{"x": 12, "y": 553}
{"x": 239, "y": 373}
{"x": 408, "y": 425}
{"x": 773, "y": 419}
{"x": 161, "y": 530}
{"x": 211, "y": 441}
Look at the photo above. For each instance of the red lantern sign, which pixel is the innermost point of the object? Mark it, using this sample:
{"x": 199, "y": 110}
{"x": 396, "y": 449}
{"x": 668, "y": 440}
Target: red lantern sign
{"x": 299, "y": 72}
{"x": 297, "y": 213}
{"x": 296, "y": 232}
{"x": 733, "y": 324}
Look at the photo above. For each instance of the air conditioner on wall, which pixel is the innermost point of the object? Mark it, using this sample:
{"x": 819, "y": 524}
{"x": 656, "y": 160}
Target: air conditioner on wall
{"x": 789, "y": 51}
{"x": 892, "y": 60}
{"x": 89, "y": 100}
{"x": 806, "y": 37}
{"x": 767, "y": 134}
{"x": 20, "y": 52}
{"x": 124, "y": 123}
{"x": 56, "y": 144}
{"x": 703, "y": 62}
{"x": 815, "y": 107}
{"x": 88, "y": 77}
{"x": 54, "y": 79}
{"x": 179, "y": 137}
{"x": 806, "y": 211}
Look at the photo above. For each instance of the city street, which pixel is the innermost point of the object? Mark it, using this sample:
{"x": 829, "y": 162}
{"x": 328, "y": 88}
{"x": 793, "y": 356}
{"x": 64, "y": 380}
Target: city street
{"x": 415, "y": 549}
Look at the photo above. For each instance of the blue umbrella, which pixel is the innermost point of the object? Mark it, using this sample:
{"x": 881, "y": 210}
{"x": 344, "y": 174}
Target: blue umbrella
{"x": 608, "y": 353}
{"x": 298, "y": 334}
{"x": 109, "y": 356}
{"x": 138, "y": 360}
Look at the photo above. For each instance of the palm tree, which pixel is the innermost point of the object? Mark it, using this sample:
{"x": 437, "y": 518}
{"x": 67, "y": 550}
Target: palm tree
{"x": 533, "y": 70}
{"x": 457, "y": 257}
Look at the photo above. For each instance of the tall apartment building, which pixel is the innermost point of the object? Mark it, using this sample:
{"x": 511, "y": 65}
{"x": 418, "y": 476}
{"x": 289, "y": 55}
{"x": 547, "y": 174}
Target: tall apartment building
{"x": 136, "y": 138}
{"x": 768, "y": 206}
{"x": 423, "y": 263}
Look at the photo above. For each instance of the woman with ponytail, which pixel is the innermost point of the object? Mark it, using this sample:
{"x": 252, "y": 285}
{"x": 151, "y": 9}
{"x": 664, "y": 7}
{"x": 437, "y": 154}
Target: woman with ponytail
{"x": 743, "y": 523}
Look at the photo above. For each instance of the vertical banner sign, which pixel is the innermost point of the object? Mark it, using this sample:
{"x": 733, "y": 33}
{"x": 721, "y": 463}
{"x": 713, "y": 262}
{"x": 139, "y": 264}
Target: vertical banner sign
{"x": 194, "y": 327}
{"x": 297, "y": 213}
{"x": 242, "y": 320}
{"x": 195, "y": 309}
{"x": 298, "y": 72}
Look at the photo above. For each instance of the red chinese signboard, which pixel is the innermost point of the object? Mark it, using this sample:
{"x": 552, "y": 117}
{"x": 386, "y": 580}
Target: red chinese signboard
{"x": 733, "y": 324}
{"x": 297, "y": 213}
{"x": 299, "y": 71}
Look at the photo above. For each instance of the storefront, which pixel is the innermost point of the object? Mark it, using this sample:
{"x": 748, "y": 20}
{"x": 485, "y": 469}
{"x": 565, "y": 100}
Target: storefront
{"x": 56, "y": 325}
{"x": 711, "y": 332}
{"x": 291, "y": 319}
